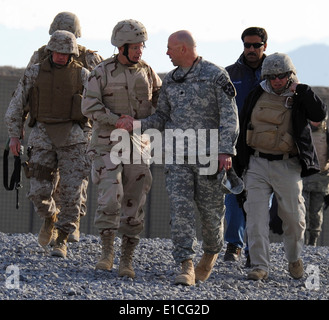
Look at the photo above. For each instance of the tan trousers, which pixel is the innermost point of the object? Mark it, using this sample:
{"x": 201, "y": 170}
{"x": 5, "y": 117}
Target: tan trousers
{"x": 283, "y": 178}
{"x": 122, "y": 192}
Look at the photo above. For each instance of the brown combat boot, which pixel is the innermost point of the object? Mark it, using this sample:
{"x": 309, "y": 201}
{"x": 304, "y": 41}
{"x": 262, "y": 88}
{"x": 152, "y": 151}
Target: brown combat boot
{"x": 128, "y": 246}
{"x": 106, "y": 260}
{"x": 187, "y": 275}
{"x": 60, "y": 247}
{"x": 46, "y": 230}
{"x": 204, "y": 267}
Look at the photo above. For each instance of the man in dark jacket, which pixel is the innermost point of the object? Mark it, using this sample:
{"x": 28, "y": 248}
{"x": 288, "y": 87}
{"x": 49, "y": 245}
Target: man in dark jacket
{"x": 245, "y": 74}
{"x": 274, "y": 151}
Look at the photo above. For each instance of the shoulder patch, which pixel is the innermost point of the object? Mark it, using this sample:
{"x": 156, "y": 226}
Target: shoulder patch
{"x": 227, "y": 86}
{"x": 229, "y": 89}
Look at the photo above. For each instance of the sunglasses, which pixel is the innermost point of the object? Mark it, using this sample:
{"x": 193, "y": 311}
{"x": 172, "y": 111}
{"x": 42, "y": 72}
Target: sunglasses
{"x": 279, "y": 76}
{"x": 256, "y": 45}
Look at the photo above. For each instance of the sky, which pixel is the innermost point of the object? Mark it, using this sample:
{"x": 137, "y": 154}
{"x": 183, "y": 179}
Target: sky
{"x": 216, "y": 26}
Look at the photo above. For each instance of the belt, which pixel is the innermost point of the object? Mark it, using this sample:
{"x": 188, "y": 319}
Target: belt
{"x": 272, "y": 157}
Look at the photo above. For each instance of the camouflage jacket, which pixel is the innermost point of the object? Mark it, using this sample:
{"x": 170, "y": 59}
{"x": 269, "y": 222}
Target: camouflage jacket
{"x": 115, "y": 89}
{"x": 204, "y": 100}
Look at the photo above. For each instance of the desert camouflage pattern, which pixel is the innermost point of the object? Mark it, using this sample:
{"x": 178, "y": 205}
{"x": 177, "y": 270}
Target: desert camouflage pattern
{"x": 63, "y": 42}
{"x": 66, "y": 21}
{"x": 205, "y": 100}
{"x": 89, "y": 58}
{"x": 115, "y": 89}
{"x": 46, "y": 154}
{"x": 128, "y": 31}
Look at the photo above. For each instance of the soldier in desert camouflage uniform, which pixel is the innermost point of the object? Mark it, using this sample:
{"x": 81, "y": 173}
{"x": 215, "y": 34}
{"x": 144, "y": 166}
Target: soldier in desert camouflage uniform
{"x": 68, "y": 21}
{"x": 196, "y": 95}
{"x": 90, "y": 59}
{"x": 316, "y": 187}
{"x": 122, "y": 84}
{"x": 53, "y": 89}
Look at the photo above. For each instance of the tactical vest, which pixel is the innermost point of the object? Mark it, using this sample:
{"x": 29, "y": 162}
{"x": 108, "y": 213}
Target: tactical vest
{"x": 270, "y": 130}
{"x": 43, "y": 54}
{"x": 56, "y": 94}
{"x": 127, "y": 89}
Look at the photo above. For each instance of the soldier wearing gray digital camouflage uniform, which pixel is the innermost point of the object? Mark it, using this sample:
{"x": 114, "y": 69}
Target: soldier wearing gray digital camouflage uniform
{"x": 90, "y": 59}
{"x": 316, "y": 187}
{"x": 52, "y": 90}
{"x": 121, "y": 85}
{"x": 197, "y": 95}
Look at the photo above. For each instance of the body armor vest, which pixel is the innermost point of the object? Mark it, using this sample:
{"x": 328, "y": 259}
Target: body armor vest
{"x": 270, "y": 130}
{"x": 128, "y": 89}
{"x": 56, "y": 94}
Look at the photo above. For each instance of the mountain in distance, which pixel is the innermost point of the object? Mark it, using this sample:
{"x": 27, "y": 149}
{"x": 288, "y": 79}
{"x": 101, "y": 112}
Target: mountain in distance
{"x": 312, "y": 64}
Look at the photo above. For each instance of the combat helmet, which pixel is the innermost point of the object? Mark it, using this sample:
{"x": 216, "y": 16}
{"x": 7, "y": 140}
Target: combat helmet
{"x": 128, "y": 31}
{"x": 277, "y": 63}
{"x": 66, "y": 21}
{"x": 63, "y": 42}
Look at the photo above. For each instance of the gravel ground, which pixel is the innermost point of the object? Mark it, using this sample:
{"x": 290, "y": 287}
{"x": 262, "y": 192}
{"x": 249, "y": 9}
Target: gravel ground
{"x": 28, "y": 272}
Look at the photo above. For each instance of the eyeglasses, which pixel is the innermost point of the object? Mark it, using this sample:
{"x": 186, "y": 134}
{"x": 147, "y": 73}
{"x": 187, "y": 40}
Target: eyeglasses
{"x": 256, "y": 45}
{"x": 279, "y": 76}
{"x": 135, "y": 48}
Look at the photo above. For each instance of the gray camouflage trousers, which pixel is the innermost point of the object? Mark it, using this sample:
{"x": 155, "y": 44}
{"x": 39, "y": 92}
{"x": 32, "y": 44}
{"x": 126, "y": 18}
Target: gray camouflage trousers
{"x": 122, "y": 192}
{"x": 315, "y": 188}
{"x": 72, "y": 166}
{"x": 187, "y": 188}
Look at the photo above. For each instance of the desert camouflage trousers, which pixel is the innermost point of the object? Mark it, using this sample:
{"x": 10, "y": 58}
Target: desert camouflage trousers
{"x": 72, "y": 166}
{"x": 187, "y": 188}
{"x": 122, "y": 192}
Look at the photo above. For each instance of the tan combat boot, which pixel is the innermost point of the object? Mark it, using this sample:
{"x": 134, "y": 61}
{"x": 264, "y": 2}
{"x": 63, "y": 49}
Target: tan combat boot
{"x": 204, "y": 267}
{"x": 46, "y": 230}
{"x": 128, "y": 246}
{"x": 60, "y": 247}
{"x": 106, "y": 260}
{"x": 187, "y": 275}
{"x": 296, "y": 269}
{"x": 75, "y": 236}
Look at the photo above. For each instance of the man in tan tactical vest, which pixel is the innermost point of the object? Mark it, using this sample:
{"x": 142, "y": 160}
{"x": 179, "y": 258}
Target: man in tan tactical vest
{"x": 53, "y": 90}
{"x": 121, "y": 85}
{"x": 275, "y": 151}
{"x": 90, "y": 59}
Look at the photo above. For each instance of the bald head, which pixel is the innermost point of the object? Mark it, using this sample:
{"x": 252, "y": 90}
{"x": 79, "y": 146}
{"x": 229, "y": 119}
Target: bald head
{"x": 184, "y": 37}
{"x": 182, "y": 48}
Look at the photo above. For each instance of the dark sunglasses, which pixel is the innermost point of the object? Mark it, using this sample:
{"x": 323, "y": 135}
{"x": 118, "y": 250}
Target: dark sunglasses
{"x": 256, "y": 45}
{"x": 279, "y": 76}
